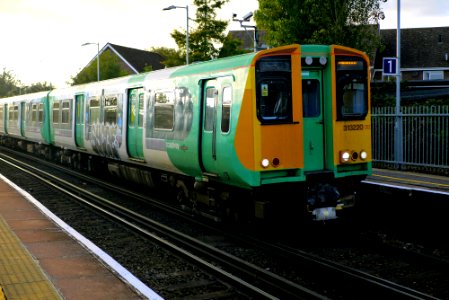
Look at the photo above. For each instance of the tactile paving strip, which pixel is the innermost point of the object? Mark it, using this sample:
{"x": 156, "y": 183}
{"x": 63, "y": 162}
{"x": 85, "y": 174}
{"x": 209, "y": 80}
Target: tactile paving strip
{"x": 20, "y": 275}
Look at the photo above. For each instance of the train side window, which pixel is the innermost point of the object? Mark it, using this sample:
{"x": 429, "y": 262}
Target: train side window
{"x": 141, "y": 102}
{"x": 56, "y": 112}
{"x": 209, "y": 116}
{"x": 94, "y": 110}
{"x": 34, "y": 113}
{"x": 226, "y": 109}
{"x": 79, "y": 109}
{"x": 164, "y": 110}
{"x": 16, "y": 113}
{"x": 40, "y": 109}
{"x": 110, "y": 109}
{"x": 11, "y": 113}
{"x": 28, "y": 112}
{"x": 273, "y": 89}
{"x": 40, "y": 112}
{"x": 65, "y": 113}
{"x": 311, "y": 98}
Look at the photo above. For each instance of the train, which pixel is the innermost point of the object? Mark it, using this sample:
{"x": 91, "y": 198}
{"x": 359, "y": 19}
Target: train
{"x": 288, "y": 126}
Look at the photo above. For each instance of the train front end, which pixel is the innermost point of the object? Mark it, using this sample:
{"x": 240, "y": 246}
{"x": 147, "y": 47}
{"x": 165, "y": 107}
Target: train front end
{"x": 308, "y": 142}
{"x": 337, "y": 127}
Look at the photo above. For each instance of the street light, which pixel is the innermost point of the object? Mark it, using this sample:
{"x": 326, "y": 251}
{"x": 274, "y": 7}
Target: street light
{"x": 187, "y": 30}
{"x": 98, "y": 57}
{"x": 246, "y": 18}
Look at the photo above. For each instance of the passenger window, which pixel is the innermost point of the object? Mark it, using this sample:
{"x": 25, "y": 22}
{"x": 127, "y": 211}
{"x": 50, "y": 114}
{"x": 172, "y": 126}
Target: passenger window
{"x": 164, "y": 110}
{"x": 34, "y": 113}
{"x": 65, "y": 112}
{"x": 15, "y": 116}
{"x": 141, "y": 100}
{"x": 94, "y": 110}
{"x": 311, "y": 98}
{"x": 226, "y": 109}
{"x": 56, "y": 112}
{"x": 209, "y": 118}
{"x": 110, "y": 109}
{"x": 40, "y": 113}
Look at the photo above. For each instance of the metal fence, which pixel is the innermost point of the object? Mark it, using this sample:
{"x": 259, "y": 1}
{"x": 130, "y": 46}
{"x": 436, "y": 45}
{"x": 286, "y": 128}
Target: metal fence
{"x": 425, "y": 137}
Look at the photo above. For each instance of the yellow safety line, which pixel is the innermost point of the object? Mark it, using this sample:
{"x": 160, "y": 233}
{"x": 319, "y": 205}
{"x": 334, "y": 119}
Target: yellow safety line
{"x": 411, "y": 180}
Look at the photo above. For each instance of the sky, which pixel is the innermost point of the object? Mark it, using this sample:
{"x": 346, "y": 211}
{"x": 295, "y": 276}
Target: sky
{"x": 41, "y": 40}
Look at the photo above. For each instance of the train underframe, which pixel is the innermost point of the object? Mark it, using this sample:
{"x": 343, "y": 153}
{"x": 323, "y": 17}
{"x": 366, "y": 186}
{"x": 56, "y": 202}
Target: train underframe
{"x": 321, "y": 197}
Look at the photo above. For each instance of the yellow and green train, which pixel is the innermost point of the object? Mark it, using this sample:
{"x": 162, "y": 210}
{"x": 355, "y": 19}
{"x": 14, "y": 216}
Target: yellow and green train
{"x": 286, "y": 125}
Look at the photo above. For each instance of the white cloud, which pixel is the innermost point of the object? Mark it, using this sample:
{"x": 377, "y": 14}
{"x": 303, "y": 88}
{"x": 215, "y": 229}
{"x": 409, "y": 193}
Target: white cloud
{"x": 41, "y": 40}
{"x": 416, "y": 13}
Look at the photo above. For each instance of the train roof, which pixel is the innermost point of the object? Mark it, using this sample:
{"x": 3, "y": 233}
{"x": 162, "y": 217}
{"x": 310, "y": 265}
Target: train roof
{"x": 32, "y": 96}
{"x": 215, "y": 65}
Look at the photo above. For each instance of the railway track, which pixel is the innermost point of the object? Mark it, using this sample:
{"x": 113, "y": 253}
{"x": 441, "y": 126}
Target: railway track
{"x": 247, "y": 278}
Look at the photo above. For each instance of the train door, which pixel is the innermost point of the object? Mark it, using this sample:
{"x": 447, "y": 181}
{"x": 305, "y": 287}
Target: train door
{"x": 209, "y": 126}
{"x": 79, "y": 121}
{"x": 135, "y": 123}
{"x": 22, "y": 115}
{"x": 5, "y": 118}
{"x": 313, "y": 120}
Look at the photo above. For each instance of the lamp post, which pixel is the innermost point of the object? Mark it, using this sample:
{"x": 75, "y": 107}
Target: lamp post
{"x": 399, "y": 155}
{"x": 187, "y": 27}
{"x": 98, "y": 57}
{"x": 246, "y": 18}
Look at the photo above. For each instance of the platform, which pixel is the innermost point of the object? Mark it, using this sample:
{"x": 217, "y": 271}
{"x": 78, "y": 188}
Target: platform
{"x": 43, "y": 258}
{"x": 413, "y": 181}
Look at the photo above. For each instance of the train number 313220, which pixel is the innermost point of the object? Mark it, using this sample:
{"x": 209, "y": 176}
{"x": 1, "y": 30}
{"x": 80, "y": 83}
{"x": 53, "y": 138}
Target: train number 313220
{"x": 353, "y": 127}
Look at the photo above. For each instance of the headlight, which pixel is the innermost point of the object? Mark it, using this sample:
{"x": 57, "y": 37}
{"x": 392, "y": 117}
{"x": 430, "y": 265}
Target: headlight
{"x": 265, "y": 163}
{"x": 345, "y": 156}
{"x": 363, "y": 155}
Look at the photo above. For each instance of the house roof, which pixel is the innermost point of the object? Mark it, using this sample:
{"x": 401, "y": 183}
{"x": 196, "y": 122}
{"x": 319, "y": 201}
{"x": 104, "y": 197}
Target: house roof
{"x": 420, "y": 47}
{"x": 137, "y": 59}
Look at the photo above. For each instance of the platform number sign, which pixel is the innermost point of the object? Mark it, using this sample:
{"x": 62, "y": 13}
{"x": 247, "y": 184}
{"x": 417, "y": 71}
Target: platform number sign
{"x": 389, "y": 66}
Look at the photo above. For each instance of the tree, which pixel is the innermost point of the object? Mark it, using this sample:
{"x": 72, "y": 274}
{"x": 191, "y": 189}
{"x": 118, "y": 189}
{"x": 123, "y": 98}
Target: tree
{"x": 10, "y": 86}
{"x": 345, "y": 22}
{"x": 110, "y": 67}
{"x": 172, "y": 56}
{"x": 231, "y": 46}
{"x": 38, "y": 87}
{"x": 209, "y": 32}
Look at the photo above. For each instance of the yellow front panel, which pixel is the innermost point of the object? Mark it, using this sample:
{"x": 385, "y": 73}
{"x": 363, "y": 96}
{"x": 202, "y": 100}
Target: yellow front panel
{"x": 253, "y": 142}
{"x": 354, "y": 135}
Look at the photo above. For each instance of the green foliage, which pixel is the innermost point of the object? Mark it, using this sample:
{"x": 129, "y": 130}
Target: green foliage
{"x": 38, "y": 87}
{"x": 148, "y": 68}
{"x": 231, "y": 46}
{"x": 10, "y": 86}
{"x": 208, "y": 32}
{"x": 110, "y": 67}
{"x": 383, "y": 94}
{"x": 172, "y": 57}
{"x": 345, "y": 22}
